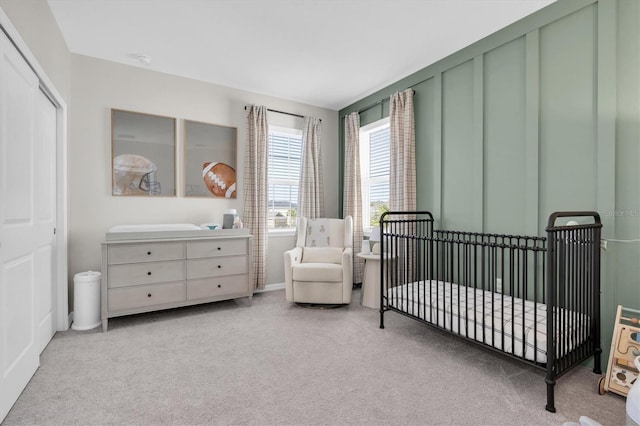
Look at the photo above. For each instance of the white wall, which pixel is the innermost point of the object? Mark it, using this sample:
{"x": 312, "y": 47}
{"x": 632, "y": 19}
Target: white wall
{"x": 38, "y": 28}
{"x": 97, "y": 86}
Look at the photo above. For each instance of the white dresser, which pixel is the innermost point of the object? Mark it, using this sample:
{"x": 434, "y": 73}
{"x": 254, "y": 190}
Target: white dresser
{"x": 149, "y": 271}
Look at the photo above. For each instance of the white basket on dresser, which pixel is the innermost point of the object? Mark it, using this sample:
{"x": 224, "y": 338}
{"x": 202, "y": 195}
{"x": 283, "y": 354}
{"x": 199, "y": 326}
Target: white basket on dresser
{"x": 158, "y": 269}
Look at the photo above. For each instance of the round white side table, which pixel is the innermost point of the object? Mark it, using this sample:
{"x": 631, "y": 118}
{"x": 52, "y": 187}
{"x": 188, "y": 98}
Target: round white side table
{"x": 371, "y": 279}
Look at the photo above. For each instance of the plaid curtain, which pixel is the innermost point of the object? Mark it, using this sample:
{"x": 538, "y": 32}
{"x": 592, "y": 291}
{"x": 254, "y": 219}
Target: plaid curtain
{"x": 311, "y": 189}
{"x": 402, "y": 178}
{"x": 352, "y": 202}
{"x": 255, "y": 190}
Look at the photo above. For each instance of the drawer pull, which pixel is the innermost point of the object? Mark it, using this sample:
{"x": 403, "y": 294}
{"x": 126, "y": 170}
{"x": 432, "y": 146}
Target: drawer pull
{"x": 149, "y": 295}
{"x": 149, "y": 253}
{"x": 219, "y": 248}
{"x": 149, "y": 273}
{"x": 219, "y": 266}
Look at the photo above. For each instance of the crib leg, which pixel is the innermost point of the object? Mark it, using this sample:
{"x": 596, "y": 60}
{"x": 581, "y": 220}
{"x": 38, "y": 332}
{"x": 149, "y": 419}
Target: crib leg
{"x": 550, "y": 397}
{"x": 597, "y": 361}
{"x": 381, "y": 318}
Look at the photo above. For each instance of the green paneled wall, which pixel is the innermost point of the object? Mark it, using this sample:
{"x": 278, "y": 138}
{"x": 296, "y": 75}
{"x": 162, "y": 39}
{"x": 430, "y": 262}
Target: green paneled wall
{"x": 568, "y": 167}
{"x": 504, "y": 138}
{"x": 626, "y": 255}
{"x": 428, "y": 152}
{"x": 458, "y": 147}
{"x": 543, "y": 115}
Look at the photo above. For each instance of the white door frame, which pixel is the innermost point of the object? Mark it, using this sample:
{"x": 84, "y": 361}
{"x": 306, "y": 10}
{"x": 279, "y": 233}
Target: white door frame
{"x": 61, "y": 304}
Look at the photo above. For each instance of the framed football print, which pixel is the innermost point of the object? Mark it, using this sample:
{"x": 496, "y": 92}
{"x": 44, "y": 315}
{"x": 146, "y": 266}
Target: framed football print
{"x": 210, "y": 160}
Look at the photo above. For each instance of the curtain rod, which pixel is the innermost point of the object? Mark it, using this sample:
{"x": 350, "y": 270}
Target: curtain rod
{"x": 381, "y": 101}
{"x": 284, "y": 112}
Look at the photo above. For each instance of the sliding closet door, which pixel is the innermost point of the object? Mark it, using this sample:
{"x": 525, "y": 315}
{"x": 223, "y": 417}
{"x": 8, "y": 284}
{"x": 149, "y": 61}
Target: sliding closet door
{"x": 44, "y": 173}
{"x": 18, "y": 226}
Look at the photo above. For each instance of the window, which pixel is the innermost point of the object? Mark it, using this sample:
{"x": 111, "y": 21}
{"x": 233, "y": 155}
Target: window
{"x": 284, "y": 163}
{"x": 375, "y": 148}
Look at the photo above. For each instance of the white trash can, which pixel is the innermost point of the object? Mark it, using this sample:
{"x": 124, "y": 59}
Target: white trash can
{"x": 86, "y": 300}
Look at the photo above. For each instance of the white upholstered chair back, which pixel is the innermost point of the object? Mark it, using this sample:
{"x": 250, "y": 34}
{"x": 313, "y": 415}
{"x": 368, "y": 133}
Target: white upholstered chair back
{"x": 325, "y": 232}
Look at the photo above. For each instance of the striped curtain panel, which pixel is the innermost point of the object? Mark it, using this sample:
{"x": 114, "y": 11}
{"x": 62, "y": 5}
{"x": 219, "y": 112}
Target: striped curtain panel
{"x": 352, "y": 201}
{"x": 311, "y": 189}
{"x": 402, "y": 176}
{"x": 255, "y": 192}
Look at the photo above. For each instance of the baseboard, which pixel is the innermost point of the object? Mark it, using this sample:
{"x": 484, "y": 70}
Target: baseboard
{"x": 270, "y": 287}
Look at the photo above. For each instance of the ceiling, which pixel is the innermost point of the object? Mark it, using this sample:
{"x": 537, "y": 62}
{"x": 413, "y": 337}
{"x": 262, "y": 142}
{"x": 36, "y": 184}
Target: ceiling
{"x": 326, "y": 53}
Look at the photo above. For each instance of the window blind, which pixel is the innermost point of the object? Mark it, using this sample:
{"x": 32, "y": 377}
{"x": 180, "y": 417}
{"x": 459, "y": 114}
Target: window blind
{"x": 379, "y": 164}
{"x": 284, "y": 162}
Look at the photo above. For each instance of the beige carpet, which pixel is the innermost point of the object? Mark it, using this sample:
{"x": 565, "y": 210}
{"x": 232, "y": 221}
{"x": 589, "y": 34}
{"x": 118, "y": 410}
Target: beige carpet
{"x": 277, "y": 363}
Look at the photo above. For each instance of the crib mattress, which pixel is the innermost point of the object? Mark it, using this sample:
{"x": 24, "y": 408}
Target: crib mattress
{"x": 510, "y": 324}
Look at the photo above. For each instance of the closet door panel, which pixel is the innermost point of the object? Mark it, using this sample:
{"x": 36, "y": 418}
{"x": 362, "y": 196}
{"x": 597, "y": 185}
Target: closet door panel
{"x": 45, "y": 215}
{"x": 18, "y": 344}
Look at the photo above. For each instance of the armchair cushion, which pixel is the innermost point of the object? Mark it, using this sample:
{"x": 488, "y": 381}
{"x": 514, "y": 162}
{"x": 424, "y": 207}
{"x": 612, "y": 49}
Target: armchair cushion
{"x": 314, "y": 272}
{"x": 322, "y": 255}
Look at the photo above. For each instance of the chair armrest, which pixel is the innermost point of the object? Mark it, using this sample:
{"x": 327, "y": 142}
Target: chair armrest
{"x": 291, "y": 257}
{"x": 347, "y": 274}
{"x": 347, "y": 256}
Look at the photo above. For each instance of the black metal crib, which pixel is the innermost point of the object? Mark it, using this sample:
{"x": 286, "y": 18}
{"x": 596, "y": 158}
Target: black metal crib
{"x": 535, "y": 299}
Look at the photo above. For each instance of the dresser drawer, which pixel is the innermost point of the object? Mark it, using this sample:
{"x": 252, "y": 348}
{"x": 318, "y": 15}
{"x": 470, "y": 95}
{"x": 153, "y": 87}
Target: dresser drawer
{"x": 217, "y": 287}
{"x": 221, "y": 247}
{"x": 126, "y": 298}
{"x": 148, "y": 252}
{"x": 146, "y": 273}
{"x": 216, "y": 267}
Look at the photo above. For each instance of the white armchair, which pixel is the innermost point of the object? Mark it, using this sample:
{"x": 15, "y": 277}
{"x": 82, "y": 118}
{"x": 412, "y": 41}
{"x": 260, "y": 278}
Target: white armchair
{"x": 319, "y": 270}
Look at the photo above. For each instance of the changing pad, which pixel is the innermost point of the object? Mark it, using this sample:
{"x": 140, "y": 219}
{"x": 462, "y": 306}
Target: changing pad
{"x": 155, "y": 227}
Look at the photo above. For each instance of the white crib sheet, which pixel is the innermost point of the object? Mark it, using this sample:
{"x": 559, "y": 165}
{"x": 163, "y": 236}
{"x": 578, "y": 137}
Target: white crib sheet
{"x": 437, "y": 302}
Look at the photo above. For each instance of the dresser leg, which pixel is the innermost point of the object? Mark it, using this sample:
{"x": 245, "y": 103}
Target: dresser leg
{"x": 105, "y": 321}
{"x": 250, "y": 300}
